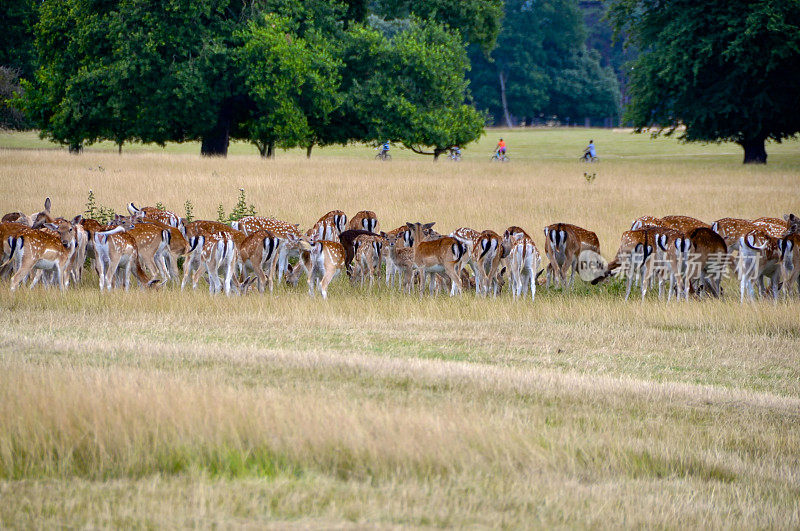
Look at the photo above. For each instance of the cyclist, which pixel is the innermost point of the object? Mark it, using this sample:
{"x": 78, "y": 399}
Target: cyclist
{"x": 384, "y": 149}
{"x": 501, "y": 148}
{"x": 455, "y": 153}
{"x": 590, "y": 153}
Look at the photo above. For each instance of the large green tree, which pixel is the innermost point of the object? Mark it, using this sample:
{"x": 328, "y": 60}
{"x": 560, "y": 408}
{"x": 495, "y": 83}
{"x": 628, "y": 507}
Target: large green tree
{"x": 541, "y": 66}
{"x": 209, "y": 70}
{"x": 717, "y": 70}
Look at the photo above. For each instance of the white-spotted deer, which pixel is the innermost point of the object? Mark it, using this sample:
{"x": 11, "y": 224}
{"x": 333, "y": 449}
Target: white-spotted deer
{"x": 634, "y": 257}
{"x": 35, "y": 249}
{"x": 325, "y": 260}
{"x": 759, "y": 258}
{"x": 259, "y": 252}
{"x": 523, "y": 262}
{"x": 563, "y": 244}
{"x": 442, "y": 256}
{"x": 212, "y": 251}
{"x": 367, "y": 258}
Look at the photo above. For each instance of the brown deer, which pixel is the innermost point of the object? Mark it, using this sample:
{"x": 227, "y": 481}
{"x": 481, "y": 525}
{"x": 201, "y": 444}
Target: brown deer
{"x": 442, "y": 256}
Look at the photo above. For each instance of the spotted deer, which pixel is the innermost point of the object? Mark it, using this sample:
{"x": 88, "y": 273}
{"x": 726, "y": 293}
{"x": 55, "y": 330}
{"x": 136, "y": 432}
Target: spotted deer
{"x": 258, "y": 252}
{"x": 154, "y": 214}
{"x": 634, "y": 257}
{"x": 325, "y": 260}
{"x": 115, "y": 249}
{"x": 400, "y": 259}
{"x": 364, "y": 220}
{"x": 792, "y": 224}
{"x": 486, "y": 255}
{"x": 759, "y": 258}
{"x": 671, "y": 257}
{"x": 281, "y": 229}
{"x": 440, "y": 256}
{"x": 212, "y": 251}
{"x": 35, "y": 249}
{"x": 368, "y": 249}
{"x": 644, "y": 221}
{"x": 338, "y": 221}
{"x": 684, "y": 224}
{"x": 775, "y": 227}
{"x": 42, "y": 217}
{"x": 523, "y": 262}
{"x": 708, "y": 261}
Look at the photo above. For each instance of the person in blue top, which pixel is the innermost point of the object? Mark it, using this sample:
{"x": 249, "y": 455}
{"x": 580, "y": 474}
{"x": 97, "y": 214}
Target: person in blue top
{"x": 385, "y": 148}
{"x": 590, "y": 153}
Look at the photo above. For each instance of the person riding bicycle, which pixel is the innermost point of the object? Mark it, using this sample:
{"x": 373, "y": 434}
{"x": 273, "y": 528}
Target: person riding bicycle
{"x": 590, "y": 153}
{"x": 384, "y": 149}
{"x": 501, "y": 148}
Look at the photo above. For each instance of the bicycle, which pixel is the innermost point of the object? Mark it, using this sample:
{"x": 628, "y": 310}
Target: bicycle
{"x": 455, "y": 156}
{"x": 588, "y": 158}
{"x": 500, "y": 157}
{"x": 383, "y": 155}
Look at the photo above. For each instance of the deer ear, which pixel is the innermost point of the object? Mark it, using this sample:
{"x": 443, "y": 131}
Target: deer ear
{"x": 429, "y": 225}
{"x": 47, "y": 205}
{"x": 409, "y": 225}
{"x": 77, "y": 219}
{"x": 51, "y": 226}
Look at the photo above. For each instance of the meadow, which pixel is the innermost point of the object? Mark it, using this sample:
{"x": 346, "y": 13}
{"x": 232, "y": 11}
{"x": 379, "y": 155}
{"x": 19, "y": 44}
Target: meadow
{"x": 379, "y": 409}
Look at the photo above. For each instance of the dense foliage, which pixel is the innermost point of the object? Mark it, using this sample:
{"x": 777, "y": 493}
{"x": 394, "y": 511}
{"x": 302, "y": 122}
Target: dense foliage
{"x": 542, "y": 68}
{"x": 273, "y": 72}
{"x": 727, "y": 70}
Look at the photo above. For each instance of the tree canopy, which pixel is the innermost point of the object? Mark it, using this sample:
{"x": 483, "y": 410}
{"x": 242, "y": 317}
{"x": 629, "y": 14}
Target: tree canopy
{"x": 542, "y": 68}
{"x": 273, "y": 72}
{"x": 718, "y": 70}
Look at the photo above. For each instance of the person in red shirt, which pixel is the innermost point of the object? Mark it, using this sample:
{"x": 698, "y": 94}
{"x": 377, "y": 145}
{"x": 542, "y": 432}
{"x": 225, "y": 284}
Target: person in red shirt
{"x": 501, "y": 147}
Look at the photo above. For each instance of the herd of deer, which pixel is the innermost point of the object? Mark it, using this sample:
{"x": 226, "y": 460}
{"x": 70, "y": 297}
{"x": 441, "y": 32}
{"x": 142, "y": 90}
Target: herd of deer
{"x": 685, "y": 252}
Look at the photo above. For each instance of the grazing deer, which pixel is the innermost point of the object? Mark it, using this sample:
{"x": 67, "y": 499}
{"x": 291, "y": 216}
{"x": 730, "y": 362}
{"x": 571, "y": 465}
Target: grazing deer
{"x": 151, "y": 242}
{"x": 259, "y": 250}
{"x": 789, "y": 247}
{"x": 684, "y": 224}
{"x": 671, "y": 257}
{"x": 732, "y": 229}
{"x": 563, "y": 244}
{"x": 759, "y": 258}
{"x": 486, "y": 255}
{"x": 324, "y": 229}
{"x": 644, "y": 221}
{"x": 212, "y": 251}
{"x": 113, "y": 249}
{"x": 154, "y": 214}
{"x": 338, "y": 220}
{"x": 325, "y": 260}
{"x": 441, "y": 256}
{"x": 523, "y": 261}
{"x": 400, "y": 259}
{"x": 364, "y": 220}
{"x": 35, "y": 249}
{"x": 708, "y": 261}
{"x": 347, "y": 239}
{"x": 775, "y": 227}
{"x": 281, "y": 229}
{"x": 367, "y": 257}
{"x": 174, "y": 246}
{"x": 634, "y": 256}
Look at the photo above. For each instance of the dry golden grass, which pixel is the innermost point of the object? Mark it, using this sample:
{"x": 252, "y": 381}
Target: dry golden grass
{"x": 379, "y": 409}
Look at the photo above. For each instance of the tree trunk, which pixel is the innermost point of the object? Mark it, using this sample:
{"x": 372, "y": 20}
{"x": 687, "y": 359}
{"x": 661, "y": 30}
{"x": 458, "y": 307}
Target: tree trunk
{"x": 271, "y": 149}
{"x": 76, "y": 149}
{"x": 215, "y": 142}
{"x": 262, "y": 149}
{"x": 119, "y": 148}
{"x": 308, "y": 150}
{"x": 436, "y": 153}
{"x": 754, "y": 151}
{"x": 503, "y": 99}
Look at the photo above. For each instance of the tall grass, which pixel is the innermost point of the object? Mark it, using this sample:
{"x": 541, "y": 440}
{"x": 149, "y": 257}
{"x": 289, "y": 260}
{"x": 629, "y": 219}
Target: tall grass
{"x": 170, "y": 408}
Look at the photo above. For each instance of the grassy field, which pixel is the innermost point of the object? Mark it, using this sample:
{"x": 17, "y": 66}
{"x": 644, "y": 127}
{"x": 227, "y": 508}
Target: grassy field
{"x": 379, "y": 409}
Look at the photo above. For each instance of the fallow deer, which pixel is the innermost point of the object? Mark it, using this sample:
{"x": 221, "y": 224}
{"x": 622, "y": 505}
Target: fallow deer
{"x": 325, "y": 261}
{"x": 486, "y": 255}
{"x": 212, "y": 251}
{"x": 644, "y": 221}
{"x": 338, "y": 219}
{"x": 523, "y": 262}
{"x": 400, "y": 259}
{"x": 759, "y": 258}
{"x": 671, "y": 256}
{"x": 35, "y": 249}
{"x": 684, "y": 224}
{"x": 792, "y": 224}
{"x": 259, "y": 251}
{"x": 280, "y": 229}
{"x": 634, "y": 256}
{"x": 154, "y": 214}
{"x": 364, "y": 220}
{"x": 775, "y": 227}
{"x": 441, "y": 256}
{"x": 116, "y": 249}
{"x": 563, "y": 244}
{"x": 367, "y": 257}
